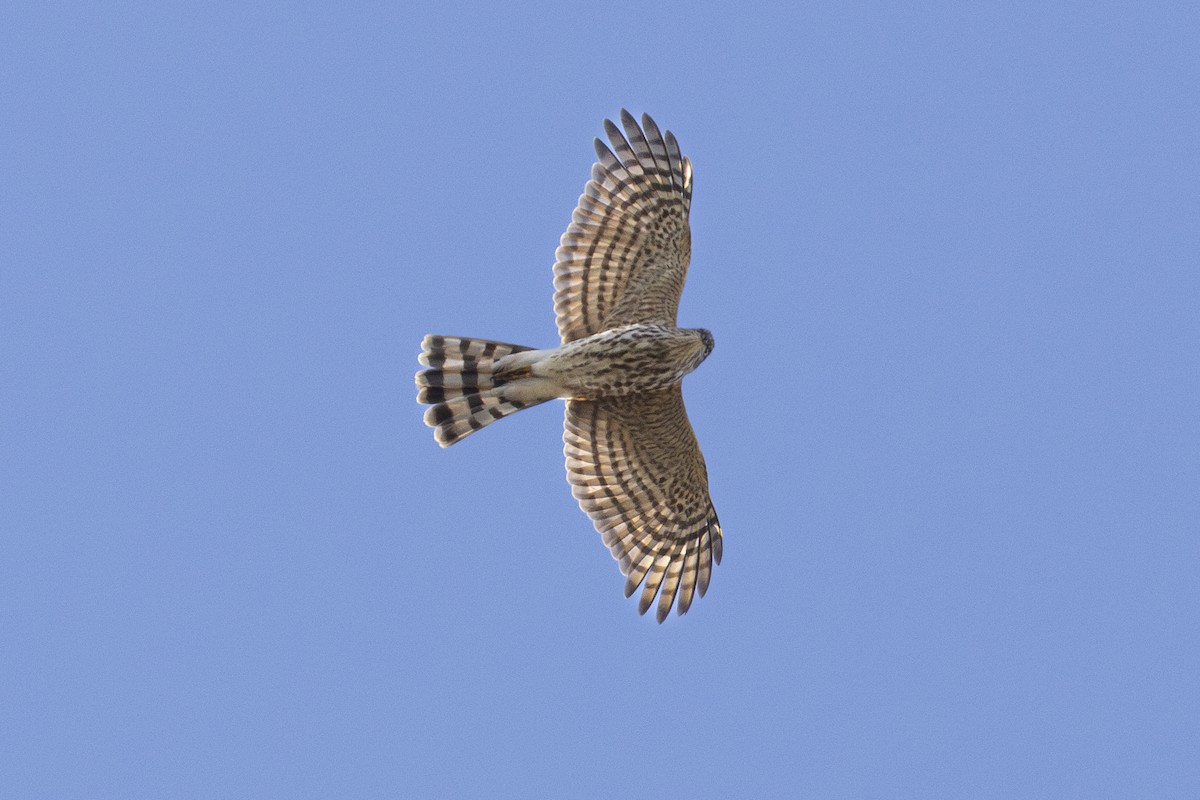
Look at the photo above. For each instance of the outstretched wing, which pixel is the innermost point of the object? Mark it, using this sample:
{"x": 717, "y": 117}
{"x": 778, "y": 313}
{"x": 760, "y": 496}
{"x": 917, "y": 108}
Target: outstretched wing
{"x": 635, "y": 466}
{"x": 625, "y": 255}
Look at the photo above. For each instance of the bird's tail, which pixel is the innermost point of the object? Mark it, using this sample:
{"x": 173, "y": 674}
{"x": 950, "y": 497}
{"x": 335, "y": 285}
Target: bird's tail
{"x": 464, "y": 388}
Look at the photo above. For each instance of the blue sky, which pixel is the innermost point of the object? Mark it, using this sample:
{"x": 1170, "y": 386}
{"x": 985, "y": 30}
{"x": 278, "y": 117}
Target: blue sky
{"x": 948, "y": 252}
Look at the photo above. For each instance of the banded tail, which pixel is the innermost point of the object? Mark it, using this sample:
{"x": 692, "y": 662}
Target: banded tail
{"x": 464, "y": 389}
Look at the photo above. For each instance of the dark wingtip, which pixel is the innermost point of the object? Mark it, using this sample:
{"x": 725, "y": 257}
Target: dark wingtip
{"x": 644, "y": 604}
{"x": 614, "y": 133}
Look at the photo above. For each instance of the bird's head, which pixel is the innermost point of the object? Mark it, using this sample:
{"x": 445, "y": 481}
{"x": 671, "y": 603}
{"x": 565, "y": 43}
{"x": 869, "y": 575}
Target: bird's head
{"x": 706, "y": 341}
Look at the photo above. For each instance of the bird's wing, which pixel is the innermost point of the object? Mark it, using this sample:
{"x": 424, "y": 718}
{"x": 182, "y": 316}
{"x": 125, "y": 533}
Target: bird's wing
{"x": 625, "y": 254}
{"x": 635, "y": 466}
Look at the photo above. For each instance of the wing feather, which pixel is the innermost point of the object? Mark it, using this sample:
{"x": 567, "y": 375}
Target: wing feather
{"x": 624, "y": 257}
{"x": 636, "y": 469}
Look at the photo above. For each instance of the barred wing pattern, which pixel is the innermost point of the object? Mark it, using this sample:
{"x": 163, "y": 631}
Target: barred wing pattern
{"x": 625, "y": 254}
{"x": 635, "y": 466}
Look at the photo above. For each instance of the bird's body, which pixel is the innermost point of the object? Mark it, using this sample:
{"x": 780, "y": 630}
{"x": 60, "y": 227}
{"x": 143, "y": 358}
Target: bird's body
{"x": 624, "y": 360}
{"x": 631, "y": 455}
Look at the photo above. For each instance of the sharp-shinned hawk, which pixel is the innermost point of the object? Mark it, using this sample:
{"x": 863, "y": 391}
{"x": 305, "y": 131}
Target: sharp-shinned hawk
{"x": 632, "y": 459}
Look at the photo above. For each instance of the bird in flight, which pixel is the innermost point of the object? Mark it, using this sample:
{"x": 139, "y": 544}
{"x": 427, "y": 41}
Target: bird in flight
{"x": 632, "y": 459}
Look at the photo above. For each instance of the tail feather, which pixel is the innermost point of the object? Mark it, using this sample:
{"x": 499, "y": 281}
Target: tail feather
{"x": 439, "y": 350}
{"x": 462, "y": 387}
{"x": 459, "y": 417}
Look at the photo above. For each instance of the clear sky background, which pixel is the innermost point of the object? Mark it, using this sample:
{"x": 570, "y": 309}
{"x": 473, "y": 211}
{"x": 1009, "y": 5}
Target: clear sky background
{"x": 949, "y": 253}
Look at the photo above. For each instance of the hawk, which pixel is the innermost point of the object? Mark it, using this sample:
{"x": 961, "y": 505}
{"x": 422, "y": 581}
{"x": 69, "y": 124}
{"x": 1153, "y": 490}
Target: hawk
{"x": 632, "y": 459}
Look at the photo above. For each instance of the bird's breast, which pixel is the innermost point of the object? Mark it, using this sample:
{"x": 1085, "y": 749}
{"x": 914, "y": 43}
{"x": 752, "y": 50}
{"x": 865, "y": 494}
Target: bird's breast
{"x": 625, "y": 360}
